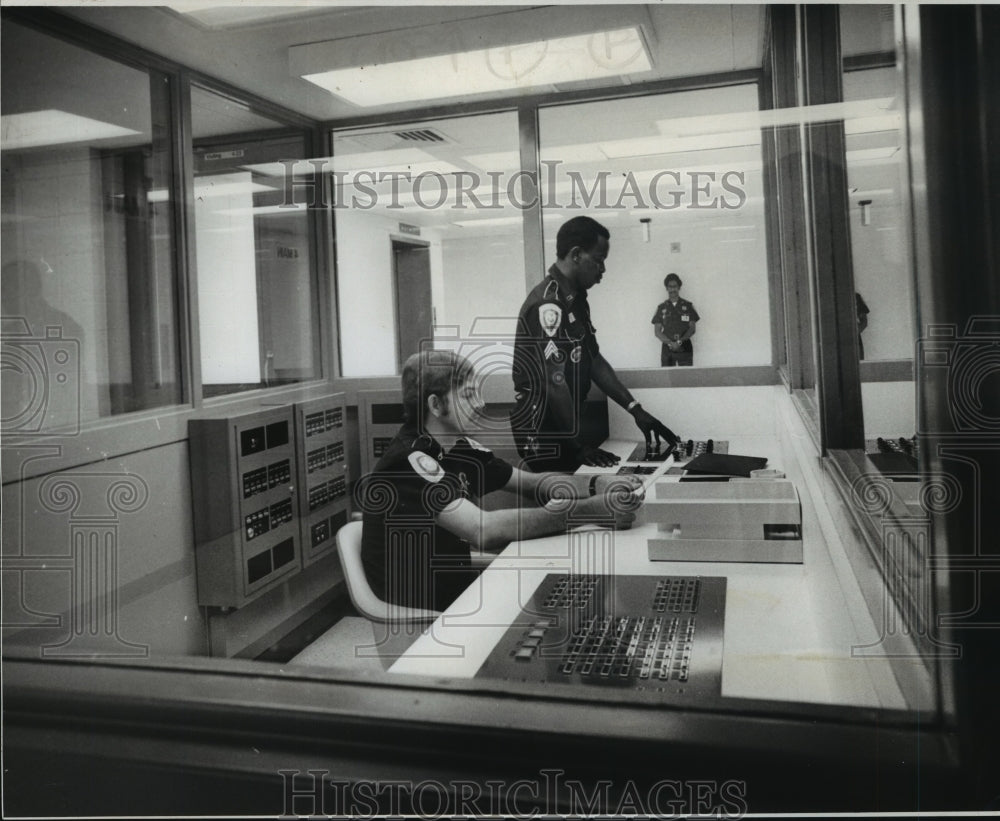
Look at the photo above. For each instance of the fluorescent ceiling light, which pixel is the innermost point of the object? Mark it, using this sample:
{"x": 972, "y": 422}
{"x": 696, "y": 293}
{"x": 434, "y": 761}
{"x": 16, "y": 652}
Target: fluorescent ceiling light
{"x": 873, "y": 192}
{"x": 860, "y": 116}
{"x": 872, "y": 153}
{"x": 53, "y": 127}
{"x": 207, "y": 187}
{"x": 580, "y": 153}
{"x": 287, "y": 209}
{"x": 649, "y": 146}
{"x": 378, "y": 160}
{"x": 301, "y": 169}
{"x": 222, "y": 16}
{"x": 496, "y": 161}
{"x": 872, "y": 125}
{"x": 492, "y": 222}
{"x": 523, "y": 66}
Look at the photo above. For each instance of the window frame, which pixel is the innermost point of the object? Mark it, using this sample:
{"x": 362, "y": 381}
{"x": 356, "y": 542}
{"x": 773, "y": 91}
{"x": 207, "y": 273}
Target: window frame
{"x": 527, "y": 108}
{"x": 120, "y": 435}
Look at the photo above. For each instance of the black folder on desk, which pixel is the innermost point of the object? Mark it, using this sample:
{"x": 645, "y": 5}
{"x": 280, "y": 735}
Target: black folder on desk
{"x": 725, "y": 464}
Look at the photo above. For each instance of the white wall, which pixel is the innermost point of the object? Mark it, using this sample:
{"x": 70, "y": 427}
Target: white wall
{"x": 483, "y": 279}
{"x": 725, "y": 277}
{"x": 365, "y": 301}
{"x": 227, "y": 279}
{"x": 882, "y": 278}
{"x": 889, "y": 409}
{"x": 723, "y": 264}
{"x": 702, "y": 413}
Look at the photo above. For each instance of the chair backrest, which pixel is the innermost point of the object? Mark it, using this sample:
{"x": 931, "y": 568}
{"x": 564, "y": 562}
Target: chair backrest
{"x": 362, "y": 596}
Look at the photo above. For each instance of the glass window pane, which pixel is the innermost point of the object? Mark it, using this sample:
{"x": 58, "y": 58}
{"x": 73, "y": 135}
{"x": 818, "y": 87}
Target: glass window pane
{"x": 429, "y": 236}
{"x": 257, "y": 297}
{"x": 89, "y": 286}
{"x": 676, "y": 179}
{"x": 881, "y": 241}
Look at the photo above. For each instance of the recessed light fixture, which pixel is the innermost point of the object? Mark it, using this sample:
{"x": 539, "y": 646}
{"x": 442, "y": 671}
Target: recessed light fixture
{"x": 227, "y": 185}
{"x": 521, "y": 66}
{"x": 862, "y": 154}
{"x": 859, "y": 116}
{"x": 34, "y": 129}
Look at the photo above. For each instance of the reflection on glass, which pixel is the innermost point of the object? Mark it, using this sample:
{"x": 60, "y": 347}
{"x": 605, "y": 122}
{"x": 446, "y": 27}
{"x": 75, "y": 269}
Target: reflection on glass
{"x": 880, "y": 236}
{"x": 428, "y": 221}
{"x": 676, "y": 179}
{"x": 89, "y": 302}
{"x": 256, "y": 289}
{"x": 876, "y": 178}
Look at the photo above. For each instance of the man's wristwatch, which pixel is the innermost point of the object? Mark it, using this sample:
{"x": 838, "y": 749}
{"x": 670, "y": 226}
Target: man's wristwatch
{"x": 633, "y": 405}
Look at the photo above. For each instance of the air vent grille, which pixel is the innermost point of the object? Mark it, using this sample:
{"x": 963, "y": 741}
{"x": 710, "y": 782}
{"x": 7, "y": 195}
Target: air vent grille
{"x": 421, "y": 135}
{"x": 387, "y": 140}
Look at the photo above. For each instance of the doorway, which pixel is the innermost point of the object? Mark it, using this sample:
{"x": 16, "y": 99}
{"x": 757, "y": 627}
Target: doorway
{"x": 411, "y": 267}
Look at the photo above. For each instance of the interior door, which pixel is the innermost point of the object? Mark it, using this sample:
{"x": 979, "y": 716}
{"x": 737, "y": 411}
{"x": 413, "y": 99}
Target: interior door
{"x": 414, "y": 324}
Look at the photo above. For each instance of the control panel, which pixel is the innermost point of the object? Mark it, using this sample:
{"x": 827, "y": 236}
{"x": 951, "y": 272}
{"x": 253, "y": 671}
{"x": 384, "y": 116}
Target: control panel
{"x": 243, "y": 476}
{"x": 896, "y": 457}
{"x": 658, "y": 636}
{"x": 380, "y": 415}
{"x": 322, "y": 473}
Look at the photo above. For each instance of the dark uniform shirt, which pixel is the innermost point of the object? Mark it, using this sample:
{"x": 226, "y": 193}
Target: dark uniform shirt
{"x": 676, "y": 319}
{"x": 409, "y": 559}
{"x": 862, "y": 310}
{"x": 554, "y": 334}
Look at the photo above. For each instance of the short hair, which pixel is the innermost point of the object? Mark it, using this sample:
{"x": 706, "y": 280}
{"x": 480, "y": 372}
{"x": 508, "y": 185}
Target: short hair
{"x": 672, "y": 278}
{"x": 579, "y": 231}
{"x": 431, "y": 373}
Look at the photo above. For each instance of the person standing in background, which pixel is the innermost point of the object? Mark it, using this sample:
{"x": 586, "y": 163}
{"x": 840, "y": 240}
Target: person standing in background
{"x": 862, "y": 311}
{"x": 674, "y": 325}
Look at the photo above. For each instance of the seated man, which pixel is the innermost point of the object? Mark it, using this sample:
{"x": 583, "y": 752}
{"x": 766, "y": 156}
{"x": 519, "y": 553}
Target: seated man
{"x": 421, "y": 503}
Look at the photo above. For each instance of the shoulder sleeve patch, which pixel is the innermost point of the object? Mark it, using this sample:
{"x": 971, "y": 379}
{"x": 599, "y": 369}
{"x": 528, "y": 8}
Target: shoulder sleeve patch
{"x": 426, "y": 466}
{"x": 549, "y": 317}
{"x": 476, "y": 446}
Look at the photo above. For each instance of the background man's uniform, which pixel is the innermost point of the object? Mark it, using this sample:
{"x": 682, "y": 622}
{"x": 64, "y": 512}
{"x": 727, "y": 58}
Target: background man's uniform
{"x": 675, "y": 320}
{"x": 408, "y": 558}
{"x": 553, "y": 330}
{"x": 862, "y": 310}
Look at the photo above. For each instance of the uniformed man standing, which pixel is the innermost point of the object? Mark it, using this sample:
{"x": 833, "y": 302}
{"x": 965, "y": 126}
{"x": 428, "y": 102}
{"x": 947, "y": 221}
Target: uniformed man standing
{"x": 674, "y": 325}
{"x": 556, "y": 358}
{"x": 421, "y": 503}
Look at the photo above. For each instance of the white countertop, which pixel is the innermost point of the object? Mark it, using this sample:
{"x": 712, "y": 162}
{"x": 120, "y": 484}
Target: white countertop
{"x": 788, "y": 635}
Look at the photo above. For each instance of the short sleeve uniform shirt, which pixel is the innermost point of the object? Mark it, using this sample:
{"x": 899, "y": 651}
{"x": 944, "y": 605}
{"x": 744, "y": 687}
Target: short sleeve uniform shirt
{"x": 676, "y": 319}
{"x": 554, "y": 329}
{"x": 409, "y": 559}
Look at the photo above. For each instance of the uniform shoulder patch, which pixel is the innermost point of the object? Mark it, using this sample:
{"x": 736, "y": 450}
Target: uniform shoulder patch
{"x": 426, "y": 466}
{"x": 476, "y": 446}
{"x": 549, "y": 317}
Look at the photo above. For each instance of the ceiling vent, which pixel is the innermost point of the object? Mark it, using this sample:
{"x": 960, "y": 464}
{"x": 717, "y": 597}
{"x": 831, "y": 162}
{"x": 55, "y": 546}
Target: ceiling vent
{"x": 422, "y": 135}
{"x": 385, "y": 140}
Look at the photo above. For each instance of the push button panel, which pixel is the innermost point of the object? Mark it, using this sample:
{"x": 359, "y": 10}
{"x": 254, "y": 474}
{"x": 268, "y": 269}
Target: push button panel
{"x": 659, "y": 638}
